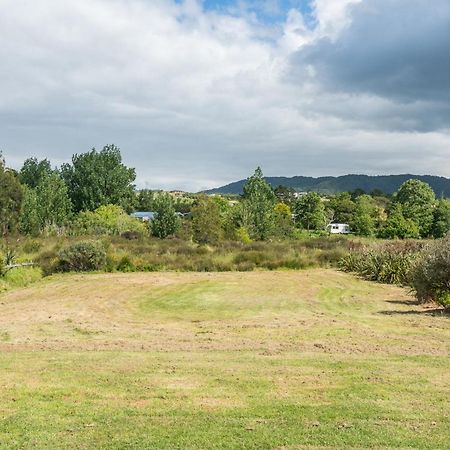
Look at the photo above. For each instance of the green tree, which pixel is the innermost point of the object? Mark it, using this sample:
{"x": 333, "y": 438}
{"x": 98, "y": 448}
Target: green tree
{"x": 441, "y": 219}
{"x": 34, "y": 171}
{"x": 99, "y": 178}
{"x": 11, "y": 196}
{"x": 285, "y": 195}
{"x": 364, "y": 216}
{"x": 145, "y": 200}
{"x": 397, "y": 226}
{"x": 283, "y": 223}
{"x": 342, "y": 208}
{"x": 29, "y": 218}
{"x": 258, "y": 202}
{"x": 310, "y": 212}
{"x": 206, "y": 221}
{"x": 166, "y": 220}
{"x": 53, "y": 202}
{"x": 107, "y": 219}
{"x": 418, "y": 202}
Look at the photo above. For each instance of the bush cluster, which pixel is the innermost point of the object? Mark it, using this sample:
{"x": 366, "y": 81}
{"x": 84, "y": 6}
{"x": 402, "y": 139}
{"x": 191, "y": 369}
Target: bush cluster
{"x": 143, "y": 254}
{"x": 82, "y": 256}
{"x": 430, "y": 277}
{"x": 425, "y": 268}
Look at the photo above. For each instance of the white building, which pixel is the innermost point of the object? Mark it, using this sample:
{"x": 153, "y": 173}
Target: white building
{"x": 339, "y": 228}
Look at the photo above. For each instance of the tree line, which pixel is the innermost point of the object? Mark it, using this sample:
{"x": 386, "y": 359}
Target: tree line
{"x": 95, "y": 192}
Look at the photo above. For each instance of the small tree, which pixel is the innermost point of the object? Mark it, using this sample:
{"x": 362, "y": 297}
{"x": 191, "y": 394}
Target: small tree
{"x": 258, "y": 203}
{"x": 166, "y": 220}
{"x": 441, "y": 219}
{"x": 431, "y": 276}
{"x": 145, "y": 200}
{"x": 364, "y": 217}
{"x": 283, "y": 223}
{"x": 206, "y": 221}
{"x": 29, "y": 218}
{"x": 310, "y": 212}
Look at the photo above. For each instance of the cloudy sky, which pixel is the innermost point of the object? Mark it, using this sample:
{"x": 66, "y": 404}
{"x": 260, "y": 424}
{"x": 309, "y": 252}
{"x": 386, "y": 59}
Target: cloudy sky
{"x": 198, "y": 93}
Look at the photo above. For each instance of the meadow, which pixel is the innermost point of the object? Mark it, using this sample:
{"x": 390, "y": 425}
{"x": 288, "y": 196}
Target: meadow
{"x": 258, "y": 360}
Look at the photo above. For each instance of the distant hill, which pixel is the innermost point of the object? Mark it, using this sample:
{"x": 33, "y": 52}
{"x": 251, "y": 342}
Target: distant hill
{"x": 331, "y": 185}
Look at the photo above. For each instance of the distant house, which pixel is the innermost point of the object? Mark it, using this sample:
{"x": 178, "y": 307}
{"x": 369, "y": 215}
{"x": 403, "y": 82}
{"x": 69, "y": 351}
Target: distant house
{"x": 145, "y": 216}
{"x": 338, "y": 228}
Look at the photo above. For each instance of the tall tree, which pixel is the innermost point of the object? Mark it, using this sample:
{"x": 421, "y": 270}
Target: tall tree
{"x": 258, "y": 203}
{"x": 418, "y": 202}
{"x": 53, "y": 202}
{"x": 11, "y": 196}
{"x": 99, "y": 178}
{"x": 166, "y": 221}
{"x": 34, "y": 171}
{"x": 310, "y": 212}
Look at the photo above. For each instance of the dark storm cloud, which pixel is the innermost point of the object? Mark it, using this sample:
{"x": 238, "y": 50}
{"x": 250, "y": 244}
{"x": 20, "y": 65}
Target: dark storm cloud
{"x": 395, "y": 49}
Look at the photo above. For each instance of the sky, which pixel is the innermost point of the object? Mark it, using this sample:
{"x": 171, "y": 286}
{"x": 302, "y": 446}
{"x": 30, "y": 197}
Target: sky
{"x": 197, "y": 94}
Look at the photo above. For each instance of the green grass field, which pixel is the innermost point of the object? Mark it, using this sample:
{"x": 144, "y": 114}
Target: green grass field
{"x": 257, "y": 360}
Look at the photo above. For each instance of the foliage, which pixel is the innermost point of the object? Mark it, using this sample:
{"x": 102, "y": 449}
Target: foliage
{"x": 310, "y": 212}
{"x": 206, "y": 221}
{"x": 397, "y": 226}
{"x": 418, "y": 202}
{"x": 441, "y": 219}
{"x": 285, "y": 195}
{"x": 430, "y": 277}
{"x": 283, "y": 222}
{"x": 30, "y": 222}
{"x": 11, "y": 196}
{"x": 99, "y": 178}
{"x": 166, "y": 221}
{"x": 107, "y": 219}
{"x": 33, "y": 172}
{"x": 145, "y": 200}
{"x": 258, "y": 203}
{"x": 384, "y": 263}
{"x": 82, "y": 256}
{"x": 53, "y": 202}
{"x": 364, "y": 217}
{"x": 342, "y": 208}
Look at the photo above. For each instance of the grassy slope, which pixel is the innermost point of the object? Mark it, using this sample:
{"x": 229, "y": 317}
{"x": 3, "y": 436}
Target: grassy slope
{"x": 232, "y": 360}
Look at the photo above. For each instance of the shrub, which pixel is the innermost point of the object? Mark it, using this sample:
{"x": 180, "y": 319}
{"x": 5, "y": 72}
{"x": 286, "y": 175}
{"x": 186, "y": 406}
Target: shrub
{"x": 386, "y": 263}
{"x": 107, "y": 219}
{"x": 83, "y": 256}
{"x": 126, "y": 265}
{"x": 430, "y": 277}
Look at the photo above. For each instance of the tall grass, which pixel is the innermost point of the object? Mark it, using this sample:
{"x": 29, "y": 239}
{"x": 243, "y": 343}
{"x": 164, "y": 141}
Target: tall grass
{"x": 152, "y": 254}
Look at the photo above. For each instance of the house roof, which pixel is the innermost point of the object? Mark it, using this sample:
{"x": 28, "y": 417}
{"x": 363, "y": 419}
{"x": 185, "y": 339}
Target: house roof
{"x": 143, "y": 215}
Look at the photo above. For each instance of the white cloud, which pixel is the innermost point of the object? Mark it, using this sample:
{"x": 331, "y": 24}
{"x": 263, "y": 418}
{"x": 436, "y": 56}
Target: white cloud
{"x": 193, "y": 98}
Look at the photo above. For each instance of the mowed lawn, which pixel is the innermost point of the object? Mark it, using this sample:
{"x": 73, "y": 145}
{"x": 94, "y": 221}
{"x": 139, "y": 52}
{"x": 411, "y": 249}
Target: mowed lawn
{"x": 260, "y": 360}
